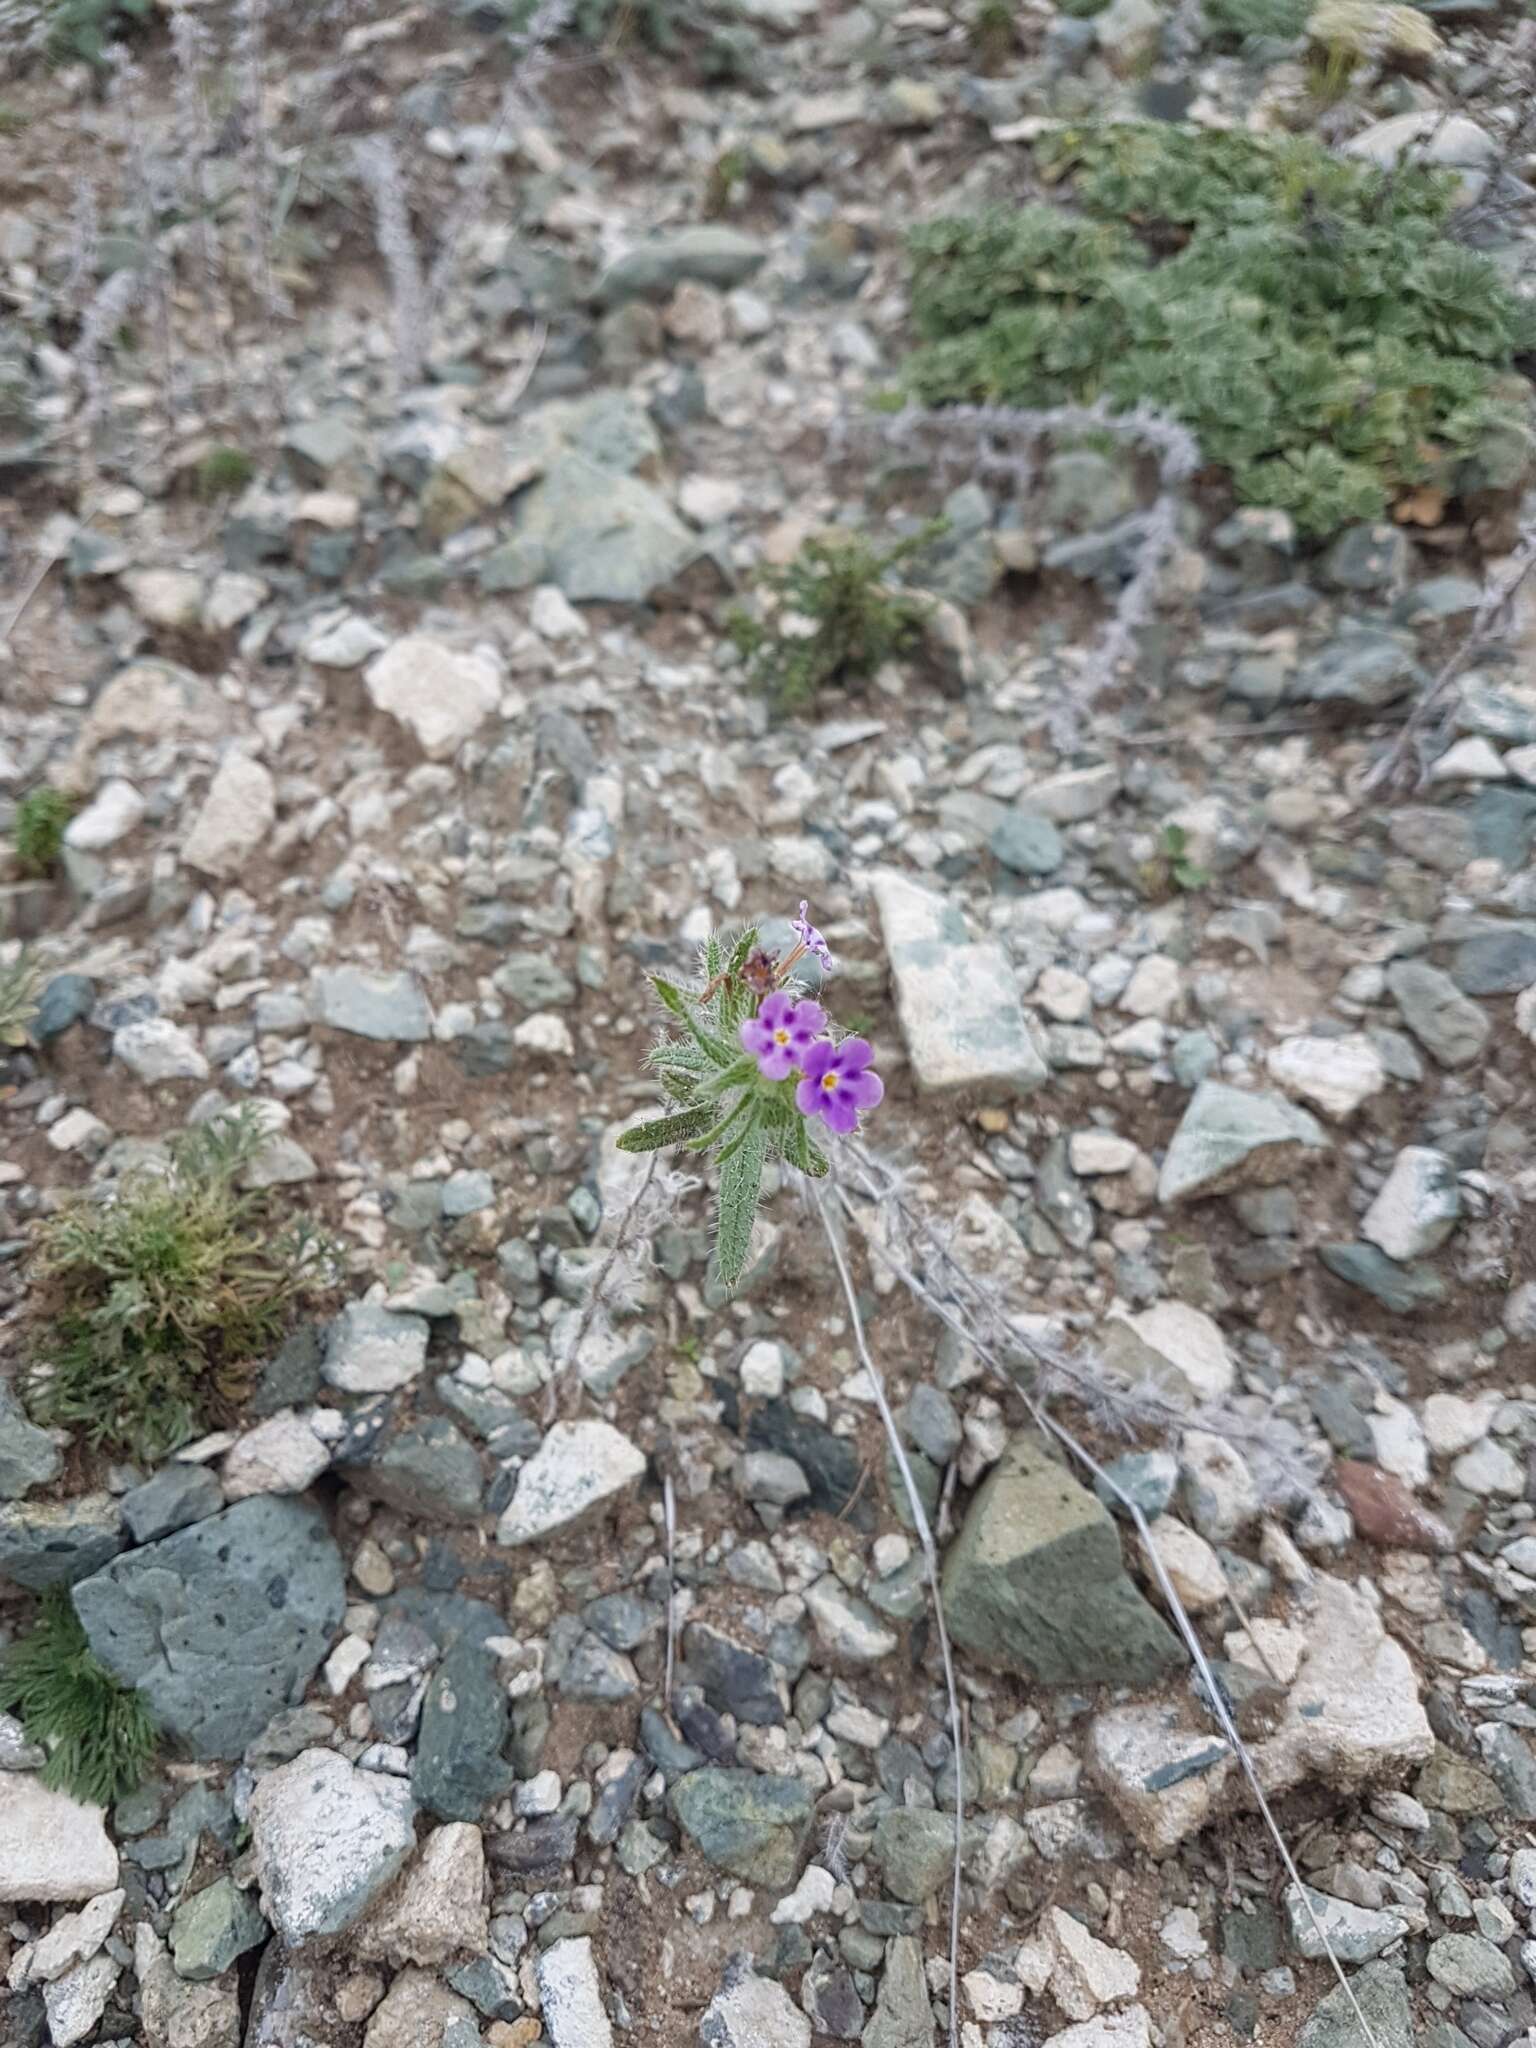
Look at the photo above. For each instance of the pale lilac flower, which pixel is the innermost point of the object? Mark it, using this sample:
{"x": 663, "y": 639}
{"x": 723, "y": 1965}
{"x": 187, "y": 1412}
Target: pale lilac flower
{"x": 837, "y": 1083}
{"x": 782, "y": 1034}
{"x": 810, "y": 939}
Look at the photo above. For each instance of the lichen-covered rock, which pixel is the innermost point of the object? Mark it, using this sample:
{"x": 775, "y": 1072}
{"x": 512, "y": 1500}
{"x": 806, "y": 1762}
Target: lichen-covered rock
{"x": 327, "y": 1838}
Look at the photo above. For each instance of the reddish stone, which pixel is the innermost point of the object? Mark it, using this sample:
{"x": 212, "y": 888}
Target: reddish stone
{"x": 1386, "y": 1512}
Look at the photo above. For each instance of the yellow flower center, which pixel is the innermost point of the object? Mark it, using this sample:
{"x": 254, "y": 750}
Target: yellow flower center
{"x": 829, "y": 1082}
{"x": 781, "y": 1038}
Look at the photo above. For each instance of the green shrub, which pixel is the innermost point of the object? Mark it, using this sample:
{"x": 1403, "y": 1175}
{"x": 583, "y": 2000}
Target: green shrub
{"x": 98, "y": 1733}
{"x": 832, "y": 618}
{"x": 1231, "y": 22}
{"x": 158, "y": 1297}
{"x": 1304, "y": 316}
{"x": 222, "y": 472}
{"x": 38, "y": 831}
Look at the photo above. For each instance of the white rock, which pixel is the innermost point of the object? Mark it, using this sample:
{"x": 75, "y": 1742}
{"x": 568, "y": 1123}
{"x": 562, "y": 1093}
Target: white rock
{"x": 847, "y": 1628}
{"x": 571, "y": 1997}
{"x": 1334, "y": 1074}
{"x": 1192, "y": 1343}
{"x": 1433, "y": 137}
{"x": 1521, "y": 761}
{"x": 1128, "y": 2029}
{"x": 342, "y": 643}
{"x": 553, "y": 616}
{"x": 116, "y": 810}
{"x": 172, "y": 598}
{"x": 1452, "y": 1424}
{"x": 344, "y": 1663}
{"x": 1399, "y": 1442}
{"x": 1076, "y": 794}
{"x": 78, "y": 1131}
{"x": 370, "y": 1349}
{"x": 1086, "y": 1973}
{"x": 280, "y": 1455}
{"x": 154, "y": 1049}
{"x": 992, "y": 1998}
{"x": 578, "y": 1467}
{"x": 708, "y": 500}
{"x": 77, "y": 2000}
{"x": 1473, "y": 759}
{"x": 236, "y": 815}
{"x": 1489, "y": 1469}
{"x": 1267, "y": 1646}
{"x": 749, "y": 2011}
{"x": 1155, "y": 989}
{"x": 73, "y": 1938}
{"x": 547, "y": 1032}
{"x": 1218, "y": 1490}
{"x": 440, "y": 695}
{"x": 1418, "y": 1206}
{"x": 1091, "y": 1153}
{"x": 1190, "y": 1563}
{"x": 540, "y": 1794}
{"x": 762, "y": 1370}
{"x": 812, "y": 1895}
{"x": 52, "y": 1849}
{"x": 326, "y": 1839}
{"x": 231, "y": 599}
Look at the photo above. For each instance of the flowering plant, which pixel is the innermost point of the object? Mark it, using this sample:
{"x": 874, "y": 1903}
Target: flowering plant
{"x": 755, "y": 1064}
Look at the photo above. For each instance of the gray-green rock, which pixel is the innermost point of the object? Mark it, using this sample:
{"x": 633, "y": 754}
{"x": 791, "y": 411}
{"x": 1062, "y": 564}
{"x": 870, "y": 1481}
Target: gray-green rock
{"x": 1364, "y": 666}
{"x": 430, "y": 1470}
{"x": 1035, "y": 1583}
{"x": 601, "y": 536}
{"x": 28, "y": 1455}
{"x": 915, "y": 1849}
{"x": 754, "y": 1827}
{"x": 1402, "y": 1289}
{"x": 391, "y": 1008}
{"x": 1027, "y": 842}
{"x": 1381, "y": 1991}
{"x": 176, "y": 1496}
{"x": 903, "y": 2012}
{"x": 465, "y": 1717}
{"x": 212, "y": 1927}
{"x": 707, "y": 254}
{"x": 1470, "y": 1966}
{"x": 1230, "y": 1138}
{"x": 220, "y": 1625}
{"x": 54, "y": 1543}
{"x": 1450, "y": 1026}
{"x": 1319, "y": 1922}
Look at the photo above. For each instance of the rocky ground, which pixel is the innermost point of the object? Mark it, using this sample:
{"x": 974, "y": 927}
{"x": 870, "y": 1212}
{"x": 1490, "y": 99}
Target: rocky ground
{"x": 394, "y": 774}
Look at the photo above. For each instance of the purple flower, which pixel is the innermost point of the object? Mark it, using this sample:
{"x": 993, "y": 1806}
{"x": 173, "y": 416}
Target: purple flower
{"x": 783, "y": 1034}
{"x": 810, "y": 939}
{"x": 837, "y": 1083}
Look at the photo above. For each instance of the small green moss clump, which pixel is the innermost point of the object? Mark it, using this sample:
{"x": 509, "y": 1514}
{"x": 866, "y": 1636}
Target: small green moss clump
{"x": 98, "y": 1733}
{"x": 83, "y": 31}
{"x": 1232, "y": 22}
{"x": 1305, "y": 316}
{"x": 158, "y": 1299}
{"x": 38, "y": 831}
{"x": 222, "y": 472}
{"x": 832, "y": 618}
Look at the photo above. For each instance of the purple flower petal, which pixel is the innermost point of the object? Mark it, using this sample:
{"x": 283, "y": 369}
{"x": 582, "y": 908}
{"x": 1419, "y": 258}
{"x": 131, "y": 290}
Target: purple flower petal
{"x": 863, "y": 1090}
{"x": 818, "y": 1058}
{"x": 839, "y": 1114}
{"x": 808, "y": 1098}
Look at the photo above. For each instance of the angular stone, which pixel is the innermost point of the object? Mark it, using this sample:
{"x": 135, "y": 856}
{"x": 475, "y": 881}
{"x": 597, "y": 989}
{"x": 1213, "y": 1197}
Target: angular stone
{"x": 957, "y": 1000}
{"x": 1336, "y": 1075}
{"x": 154, "y": 1049}
{"x": 54, "y": 1543}
{"x": 1385, "y": 1511}
{"x": 1354, "y": 1933}
{"x": 176, "y": 1495}
{"x": 571, "y": 1996}
{"x": 1230, "y": 1139}
{"x": 419, "y": 2012}
{"x": 751, "y": 1826}
{"x": 438, "y": 1909}
{"x": 915, "y": 1849}
{"x": 1381, "y": 1992}
{"x": 1418, "y": 1206}
{"x": 1035, "y": 1583}
{"x": 430, "y": 1470}
{"x": 222, "y": 1624}
{"x": 465, "y": 1717}
{"x": 578, "y": 1468}
{"x": 749, "y": 2011}
{"x": 602, "y": 537}
{"x": 1188, "y": 1345}
{"x": 1086, "y": 1973}
{"x": 903, "y": 2011}
{"x": 1402, "y": 1289}
{"x": 52, "y": 1848}
{"x": 1450, "y": 1026}
{"x": 76, "y": 2001}
{"x": 28, "y": 1455}
{"x": 237, "y": 813}
{"x": 212, "y": 1927}
{"x": 370, "y": 1349}
{"x": 280, "y": 1455}
{"x": 326, "y": 1840}
{"x": 391, "y": 1008}
{"x": 440, "y": 695}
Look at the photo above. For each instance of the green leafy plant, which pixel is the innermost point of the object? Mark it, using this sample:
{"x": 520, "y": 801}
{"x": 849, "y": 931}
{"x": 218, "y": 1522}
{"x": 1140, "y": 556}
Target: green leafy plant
{"x": 222, "y": 472}
{"x": 749, "y": 1064}
{"x": 18, "y": 1000}
{"x": 994, "y": 34}
{"x": 98, "y": 1733}
{"x": 1184, "y": 873}
{"x": 83, "y": 31}
{"x": 1232, "y": 22}
{"x": 38, "y": 831}
{"x": 158, "y": 1297}
{"x": 1304, "y": 316}
{"x": 832, "y": 617}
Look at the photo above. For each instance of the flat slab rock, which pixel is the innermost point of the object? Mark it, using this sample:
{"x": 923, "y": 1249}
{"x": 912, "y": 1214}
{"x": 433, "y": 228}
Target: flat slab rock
{"x": 571, "y": 1996}
{"x": 957, "y": 1000}
{"x": 1230, "y": 1138}
{"x": 578, "y": 1467}
{"x": 222, "y": 1624}
{"x": 52, "y": 1848}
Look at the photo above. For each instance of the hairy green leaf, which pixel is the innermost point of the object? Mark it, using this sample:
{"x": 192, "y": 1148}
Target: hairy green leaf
{"x": 741, "y": 1180}
{"x": 665, "y": 1130}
